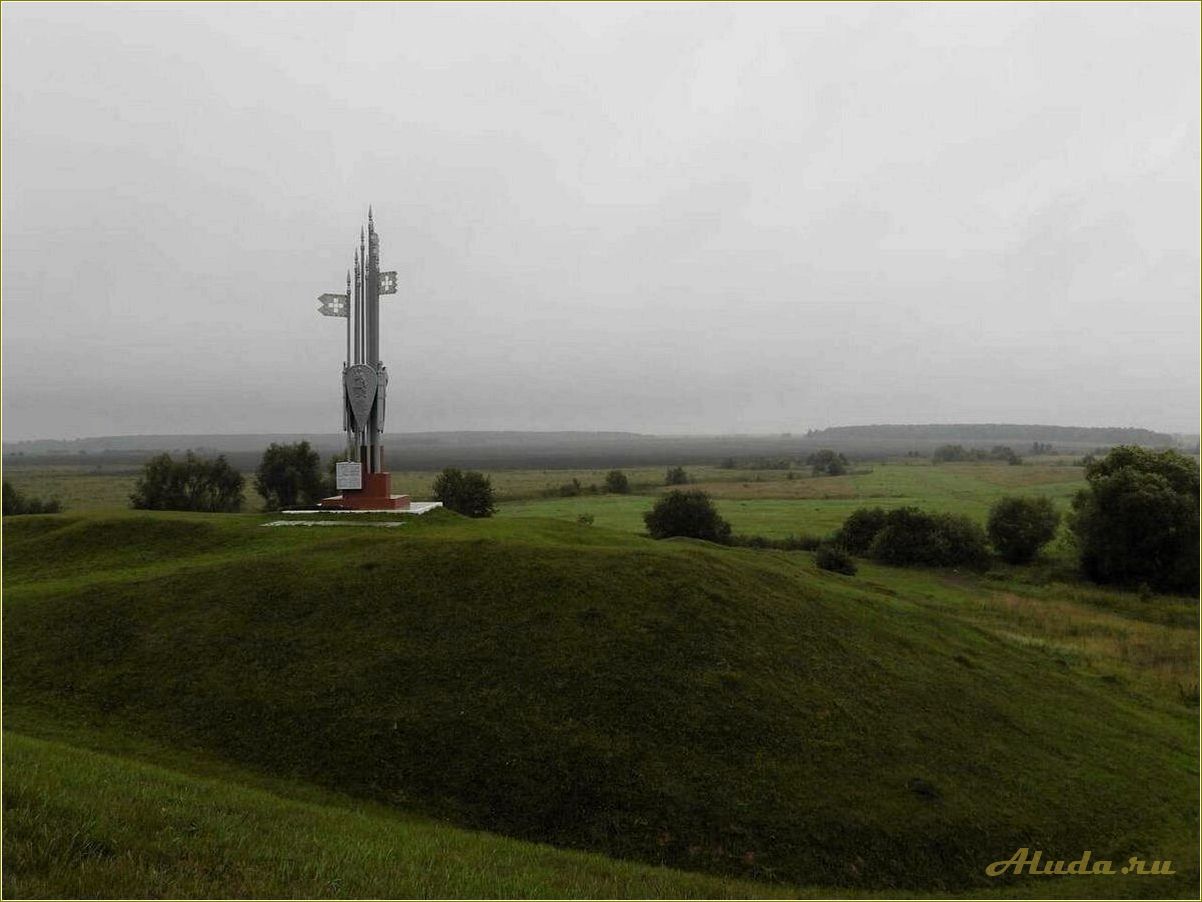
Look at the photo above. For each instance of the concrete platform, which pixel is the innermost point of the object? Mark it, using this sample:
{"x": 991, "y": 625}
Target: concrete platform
{"x": 416, "y": 508}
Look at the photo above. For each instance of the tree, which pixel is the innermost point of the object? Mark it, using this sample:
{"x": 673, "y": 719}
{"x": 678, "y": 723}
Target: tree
{"x": 728, "y": 463}
{"x": 16, "y": 503}
{"x": 860, "y": 528}
{"x": 1019, "y": 527}
{"x": 911, "y": 537}
{"x": 467, "y": 493}
{"x": 1006, "y": 453}
{"x": 1137, "y": 521}
{"x": 690, "y": 514}
{"x": 617, "y": 483}
{"x": 949, "y": 453}
{"x": 676, "y": 476}
{"x": 193, "y": 484}
{"x": 827, "y": 463}
{"x": 289, "y": 475}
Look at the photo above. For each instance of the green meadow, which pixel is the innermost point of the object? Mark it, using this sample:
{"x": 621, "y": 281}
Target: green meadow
{"x": 531, "y": 706}
{"x": 780, "y": 502}
{"x": 768, "y": 503}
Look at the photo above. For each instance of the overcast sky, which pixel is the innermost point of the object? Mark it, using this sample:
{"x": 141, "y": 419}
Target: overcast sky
{"x": 656, "y": 218}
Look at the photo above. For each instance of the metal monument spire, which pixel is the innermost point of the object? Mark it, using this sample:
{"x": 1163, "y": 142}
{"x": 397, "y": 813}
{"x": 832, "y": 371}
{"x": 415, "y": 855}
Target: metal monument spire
{"x": 362, "y": 478}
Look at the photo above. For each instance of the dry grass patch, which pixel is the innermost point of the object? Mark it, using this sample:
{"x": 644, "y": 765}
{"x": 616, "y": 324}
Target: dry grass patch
{"x": 1163, "y": 657}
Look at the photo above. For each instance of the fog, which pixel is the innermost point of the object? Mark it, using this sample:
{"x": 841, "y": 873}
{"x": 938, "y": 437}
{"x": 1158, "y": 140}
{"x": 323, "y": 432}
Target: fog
{"x": 654, "y": 218}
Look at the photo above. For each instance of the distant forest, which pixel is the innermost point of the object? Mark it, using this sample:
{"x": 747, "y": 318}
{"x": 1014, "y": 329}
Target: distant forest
{"x": 551, "y": 450}
{"x": 1075, "y": 436}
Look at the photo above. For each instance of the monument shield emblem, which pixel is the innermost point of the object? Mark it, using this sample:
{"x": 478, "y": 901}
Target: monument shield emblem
{"x": 360, "y": 382}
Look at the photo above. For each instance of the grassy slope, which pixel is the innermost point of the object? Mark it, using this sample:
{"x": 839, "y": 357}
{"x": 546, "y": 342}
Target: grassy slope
{"x": 83, "y": 824}
{"x": 715, "y": 709}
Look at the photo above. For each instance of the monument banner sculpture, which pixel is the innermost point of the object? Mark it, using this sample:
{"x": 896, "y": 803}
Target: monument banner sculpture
{"x": 364, "y": 382}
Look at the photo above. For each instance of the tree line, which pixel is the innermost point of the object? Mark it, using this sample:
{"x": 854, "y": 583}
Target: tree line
{"x": 1134, "y": 524}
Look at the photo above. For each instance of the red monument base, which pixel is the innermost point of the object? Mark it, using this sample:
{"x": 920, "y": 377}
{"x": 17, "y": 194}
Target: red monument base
{"x": 376, "y": 495}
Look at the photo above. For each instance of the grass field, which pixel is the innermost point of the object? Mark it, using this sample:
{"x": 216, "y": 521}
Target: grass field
{"x": 728, "y": 712}
{"x": 762, "y": 502}
{"x": 774, "y": 506}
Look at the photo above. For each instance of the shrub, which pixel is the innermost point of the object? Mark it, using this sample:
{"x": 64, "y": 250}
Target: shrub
{"x": 911, "y": 537}
{"x": 570, "y": 489}
{"x": 289, "y": 475}
{"x": 788, "y": 543}
{"x": 951, "y": 454}
{"x": 617, "y": 483}
{"x": 676, "y": 476}
{"x": 1019, "y": 527}
{"x": 1006, "y": 453}
{"x": 191, "y": 484}
{"x": 827, "y": 463}
{"x": 860, "y": 528}
{"x": 691, "y": 514}
{"x": 728, "y": 463}
{"x": 832, "y": 557}
{"x": 1137, "y": 521}
{"x": 585, "y": 520}
{"x": 16, "y": 503}
{"x": 467, "y": 493}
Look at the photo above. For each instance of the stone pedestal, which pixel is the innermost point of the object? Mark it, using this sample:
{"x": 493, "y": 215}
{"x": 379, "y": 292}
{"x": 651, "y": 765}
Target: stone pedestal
{"x": 376, "y": 495}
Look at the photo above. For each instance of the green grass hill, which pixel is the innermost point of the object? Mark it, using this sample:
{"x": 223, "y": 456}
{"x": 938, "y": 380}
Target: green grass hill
{"x": 718, "y": 710}
{"x": 82, "y": 824}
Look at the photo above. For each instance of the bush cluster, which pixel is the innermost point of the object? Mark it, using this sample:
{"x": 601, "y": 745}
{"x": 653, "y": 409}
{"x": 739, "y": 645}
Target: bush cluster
{"x": 832, "y": 557}
{"x": 958, "y": 453}
{"x": 827, "y": 463}
{"x": 191, "y": 484}
{"x": 289, "y": 475}
{"x": 616, "y": 483}
{"x": 1019, "y": 527}
{"x": 467, "y": 493}
{"x": 1137, "y": 521}
{"x": 860, "y": 528}
{"x": 789, "y": 543}
{"x": 687, "y": 514}
{"x": 908, "y": 537}
{"x": 16, "y": 503}
{"x": 676, "y": 476}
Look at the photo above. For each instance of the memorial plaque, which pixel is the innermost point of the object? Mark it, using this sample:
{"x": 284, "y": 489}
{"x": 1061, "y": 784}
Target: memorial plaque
{"x": 348, "y": 474}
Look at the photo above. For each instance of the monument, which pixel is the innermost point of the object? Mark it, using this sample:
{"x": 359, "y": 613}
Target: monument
{"x": 361, "y": 480}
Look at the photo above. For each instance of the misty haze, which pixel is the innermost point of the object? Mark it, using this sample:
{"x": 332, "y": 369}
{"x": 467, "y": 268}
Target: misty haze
{"x": 661, "y": 219}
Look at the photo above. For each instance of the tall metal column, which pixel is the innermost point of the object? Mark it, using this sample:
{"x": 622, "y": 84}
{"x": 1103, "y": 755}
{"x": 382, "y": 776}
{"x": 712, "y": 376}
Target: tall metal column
{"x": 372, "y": 279}
{"x": 347, "y": 425}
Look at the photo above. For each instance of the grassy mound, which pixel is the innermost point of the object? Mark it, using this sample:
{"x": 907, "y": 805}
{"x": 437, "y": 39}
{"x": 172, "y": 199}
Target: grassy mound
{"x": 81, "y": 824}
{"x": 712, "y": 709}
